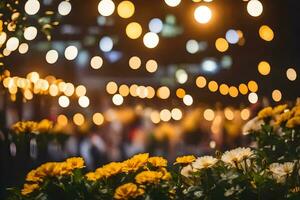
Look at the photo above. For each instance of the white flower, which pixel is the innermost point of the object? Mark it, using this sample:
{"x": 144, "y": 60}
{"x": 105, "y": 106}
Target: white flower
{"x": 237, "y": 155}
{"x": 204, "y": 162}
{"x": 281, "y": 171}
{"x": 252, "y": 125}
{"x": 186, "y": 171}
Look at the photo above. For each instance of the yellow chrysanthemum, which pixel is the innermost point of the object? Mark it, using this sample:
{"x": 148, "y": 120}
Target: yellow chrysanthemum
{"x": 109, "y": 170}
{"x": 148, "y": 177}
{"x": 283, "y": 118}
{"x": 293, "y": 122}
{"x": 128, "y": 191}
{"x": 158, "y": 161}
{"x": 279, "y": 109}
{"x": 25, "y": 127}
{"x": 265, "y": 113}
{"x": 29, "y": 188}
{"x": 45, "y": 125}
{"x": 185, "y": 159}
{"x": 75, "y": 163}
{"x": 166, "y": 175}
{"x": 92, "y": 176}
{"x": 134, "y": 163}
{"x": 34, "y": 176}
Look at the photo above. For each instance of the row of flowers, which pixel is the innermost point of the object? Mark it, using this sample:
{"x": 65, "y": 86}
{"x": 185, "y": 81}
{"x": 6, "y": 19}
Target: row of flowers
{"x": 268, "y": 170}
{"x": 233, "y": 175}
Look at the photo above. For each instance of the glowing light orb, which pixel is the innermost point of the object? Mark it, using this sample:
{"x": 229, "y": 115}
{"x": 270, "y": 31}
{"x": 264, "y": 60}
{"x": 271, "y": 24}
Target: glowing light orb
{"x": 96, "y": 62}
{"x": 125, "y": 9}
{"x": 203, "y": 14}
{"x": 52, "y": 56}
{"x": 106, "y": 7}
{"x": 71, "y": 52}
{"x": 254, "y": 8}
{"x": 151, "y": 40}
{"x": 106, "y": 44}
{"x": 30, "y": 33}
{"x": 64, "y": 8}
{"x": 172, "y": 3}
{"x": 32, "y": 7}
{"x": 134, "y": 30}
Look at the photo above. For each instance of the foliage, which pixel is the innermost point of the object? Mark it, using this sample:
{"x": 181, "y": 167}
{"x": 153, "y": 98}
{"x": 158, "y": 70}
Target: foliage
{"x": 265, "y": 172}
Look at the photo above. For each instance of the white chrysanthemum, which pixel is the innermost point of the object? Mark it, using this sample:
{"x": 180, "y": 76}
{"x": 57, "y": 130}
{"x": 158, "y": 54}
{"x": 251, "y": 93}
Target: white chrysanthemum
{"x": 281, "y": 171}
{"x": 252, "y": 125}
{"x": 186, "y": 171}
{"x": 204, "y": 162}
{"x": 237, "y": 155}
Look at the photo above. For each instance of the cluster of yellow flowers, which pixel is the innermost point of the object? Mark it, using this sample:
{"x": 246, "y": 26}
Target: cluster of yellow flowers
{"x": 50, "y": 169}
{"x": 32, "y": 127}
{"x": 281, "y": 115}
{"x": 138, "y": 162}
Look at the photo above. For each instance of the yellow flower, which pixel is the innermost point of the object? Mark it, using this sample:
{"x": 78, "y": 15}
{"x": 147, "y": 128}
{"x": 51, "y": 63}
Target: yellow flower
{"x": 75, "y": 163}
{"x": 166, "y": 174}
{"x": 158, "y": 161}
{"x": 92, "y": 176}
{"x": 134, "y": 163}
{"x": 29, "y": 188}
{"x": 54, "y": 169}
{"x": 128, "y": 191}
{"x": 283, "y": 118}
{"x": 185, "y": 159}
{"x": 34, "y": 176}
{"x": 44, "y": 126}
{"x": 265, "y": 113}
{"x": 279, "y": 109}
{"x": 109, "y": 170}
{"x": 294, "y": 122}
{"x": 25, "y": 127}
{"x": 151, "y": 177}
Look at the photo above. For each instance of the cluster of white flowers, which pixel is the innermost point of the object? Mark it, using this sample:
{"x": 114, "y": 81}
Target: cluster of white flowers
{"x": 236, "y": 156}
{"x": 200, "y": 163}
{"x": 280, "y": 171}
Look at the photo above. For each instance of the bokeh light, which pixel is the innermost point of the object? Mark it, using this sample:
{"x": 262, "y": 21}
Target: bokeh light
{"x": 264, "y": 68}
{"x": 163, "y": 92}
{"x": 201, "y": 82}
{"x": 32, "y": 7}
{"x": 151, "y": 40}
{"x": 221, "y": 45}
{"x": 165, "y": 115}
{"x": 117, "y": 99}
{"x": 209, "y": 114}
{"x": 96, "y": 62}
{"x": 176, "y": 114}
{"x": 63, "y": 101}
{"x": 253, "y": 98}
{"x": 188, "y": 100}
{"x": 151, "y": 66}
{"x": 172, "y": 3}
{"x": 84, "y": 101}
{"x": 30, "y": 33}
{"x": 78, "y": 119}
{"x": 106, "y": 44}
{"x": 156, "y": 25}
{"x": 64, "y": 8}
{"x": 71, "y": 52}
{"x": 125, "y": 9}
{"x": 134, "y": 30}
{"x": 106, "y": 7}
{"x": 266, "y": 33}
{"x": 111, "y": 87}
{"x": 98, "y": 119}
{"x": 291, "y": 74}
{"x": 135, "y": 62}
{"x": 52, "y": 56}
{"x": 203, "y": 14}
{"x": 276, "y": 95}
{"x": 213, "y": 86}
{"x": 254, "y": 8}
